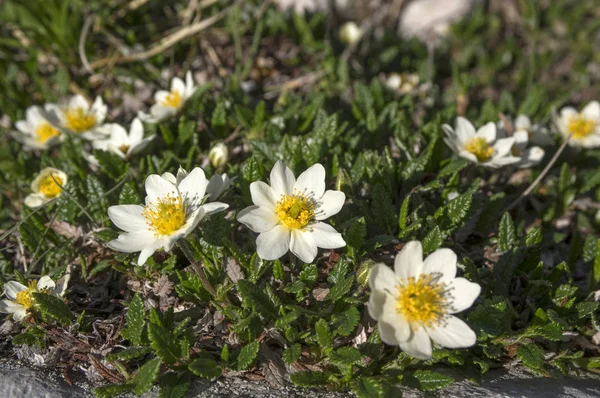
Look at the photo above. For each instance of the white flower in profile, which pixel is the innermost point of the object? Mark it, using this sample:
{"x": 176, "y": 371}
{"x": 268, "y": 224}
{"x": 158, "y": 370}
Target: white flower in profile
{"x": 122, "y": 144}
{"x": 20, "y": 300}
{"x": 173, "y": 209}
{"x": 350, "y": 33}
{"x": 414, "y": 303}
{"x": 584, "y": 126}
{"x": 215, "y": 187}
{"x": 218, "y": 155}
{"x": 169, "y": 103}
{"x": 78, "y": 118}
{"x": 536, "y": 133}
{"x": 482, "y": 146}
{"x": 47, "y": 186}
{"x": 288, "y": 213}
{"x": 36, "y": 132}
{"x": 530, "y": 156}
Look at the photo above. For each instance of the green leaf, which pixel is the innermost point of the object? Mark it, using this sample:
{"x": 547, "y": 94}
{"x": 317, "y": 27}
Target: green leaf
{"x": 324, "y": 336}
{"x": 403, "y": 217}
{"x": 586, "y": 308}
{"x": 346, "y": 356}
{"x": 459, "y": 207}
{"x": 111, "y": 164}
{"x": 146, "y": 376}
{"x": 173, "y": 385}
{"x": 95, "y": 195}
{"x": 292, "y": 353}
{"x": 219, "y": 116}
{"x": 346, "y": 321}
{"x": 367, "y": 387}
{"x": 253, "y": 297}
{"x": 433, "y": 240}
{"x": 355, "y": 236}
{"x": 531, "y": 355}
{"x": 129, "y": 196}
{"x": 113, "y": 390}
{"x": 248, "y": 355}
{"x": 340, "y": 289}
{"x": 309, "y": 378}
{"x": 533, "y": 237}
{"x": 54, "y": 307}
{"x": 205, "y": 367}
{"x": 128, "y": 354}
{"x": 136, "y": 319}
{"x": 506, "y": 233}
{"x": 427, "y": 380}
{"x": 164, "y": 343}
{"x": 596, "y": 269}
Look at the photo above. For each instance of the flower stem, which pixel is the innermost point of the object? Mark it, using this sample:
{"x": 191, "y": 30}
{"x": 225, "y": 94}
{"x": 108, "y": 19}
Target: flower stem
{"x": 197, "y": 267}
{"x": 542, "y": 174}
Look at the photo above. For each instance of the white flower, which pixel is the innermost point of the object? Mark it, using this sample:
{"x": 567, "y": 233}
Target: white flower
{"x": 350, "y": 33}
{"x": 20, "y": 300}
{"x": 481, "y": 146}
{"x": 217, "y": 184}
{"x": 530, "y": 156}
{"x": 169, "y": 103}
{"x": 173, "y": 209}
{"x": 288, "y": 213}
{"x": 218, "y": 155}
{"x": 36, "y": 132}
{"x": 78, "y": 118}
{"x": 415, "y": 302}
{"x": 122, "y": 144}
{"x": 584, "y": 126}
{"x": 537, "y": 134}
{"x": 47, "y": 186}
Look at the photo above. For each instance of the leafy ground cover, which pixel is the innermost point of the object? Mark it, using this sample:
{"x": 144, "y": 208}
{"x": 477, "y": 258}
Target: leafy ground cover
{"x": 274, "y": 86}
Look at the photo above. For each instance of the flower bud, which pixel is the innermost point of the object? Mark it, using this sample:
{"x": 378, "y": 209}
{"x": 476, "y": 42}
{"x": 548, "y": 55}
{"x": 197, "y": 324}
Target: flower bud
{"x": 218, "y": 155}
{"x": 350, "y": 33}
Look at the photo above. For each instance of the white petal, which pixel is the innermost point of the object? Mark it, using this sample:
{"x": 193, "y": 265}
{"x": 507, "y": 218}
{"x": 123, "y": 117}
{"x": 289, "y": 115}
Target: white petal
{"x": 169, "y": 177}
{"x": 35, "y": 200}
{"x": 178, "y": 85}
{"x": 378, "y": 302}
{"x": 99, "y": 110}
{"x": 214, "y": 207}
{"x": 282, "y": 180}
{"x": 469, "y": 156}
{"x": 503, "y": 146}
{"x": 216, "y": 185}
{"x": 79, "y": 101}
{"x": 161, "y": 96}
{"x": 522, "y": 123}
{"x": 303, "y": 246}
{"x": 128, "y": 217}
{"x": 330, "y": 204}
{"x": 20, "y": 314}
{"x": 384, "y": 279}
{"x": 464, "y": 130}
{"x": 488, "y": 131}
{"x": 419, "y": 345}
{"x": 157, "y": 188}
{"x": 393, "y": 328}
{"x": 136, "y": 131}
{"x": 521, "y": 139}
{"x": 263, "y": 195}
{"x": 45, "y": 282}
{"x": 11, "y": 288}
{"x": 441, "y": 262}
{"x": 311, "y": 182}
{"x": 10, "y": 307}
{"x": 273, "y": 244}
{"x": 145, "y": 255}
{"x": 463, "y": 294}
{"x": 592, "y": 111}
{"x": 409, "y": 261}
{"x": 325, "y": 236}
{"x": 532, "y": 156}
{"x": 453, "y": 333}
{"x": 190, "y": 87}
{"x": 258, "y": 219}
{"x": 137, "y": 148}
{"x": 502, "y": 161}
{"x": 131, "y": 242}
{"x": 193, "y": 186}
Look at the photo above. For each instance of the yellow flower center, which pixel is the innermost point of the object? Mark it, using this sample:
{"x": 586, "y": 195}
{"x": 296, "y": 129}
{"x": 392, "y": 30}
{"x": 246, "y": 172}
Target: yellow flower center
{"x": 422, "y": 300}
{"x": 124, "y": 148}
{"x": 45, "y": 131}
{"x": 581, "y": 127}
{"x": 166, "y": 216}
{"x": 172, "y": 100}
{"x": 79, "y": 121}
{"x": 24, "y": 297}
{"x": 295, "y": 211}
{"x": 50, "y": 186}
{"x": 479, "y": 147}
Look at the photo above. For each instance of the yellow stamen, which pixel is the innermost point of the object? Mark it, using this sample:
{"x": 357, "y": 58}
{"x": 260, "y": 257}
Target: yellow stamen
{"x": 24, "y": 297}
{"x": 79, "y": 121}
{"x": 295, "y": 211}
{"x": 479, "y": 147}
{"x": 124, "y": 148}
{"x": 581, "y": 127}
{"x": 50, "y": 186}
{"x": 166, "y": 216}
{"x": 172, "y": 100}
{"x": 45, "y": 131}
{"x": 422, "y": 301}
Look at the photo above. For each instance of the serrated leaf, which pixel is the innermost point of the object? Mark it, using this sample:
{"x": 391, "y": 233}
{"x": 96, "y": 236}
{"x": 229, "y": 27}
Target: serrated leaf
{"x": 324, "y": 337}
{"x": 309, "y": 379}
{"x": 113, "y": 390}
{"x": 173, "y": 385}
{"x": 355, "y": 236}
{"x": 340, "y": 289}
{"x": 111, "y": 163}
{"x": 346, "y": 356}
{"x": 248, "y": 355}
{"x": 433, "y": 240}
{"x": 53, "y": 307}
{"x": 253, "y": 297}
{"x": 596, "y": 269}
{"x": 129, "y": 196}
{"x": 205, "y": 367}
{"x": 586, "y": 308}
{"x": 403, "y": 216}
{"x": 506, "y": 233}
{"x": 368, "y": 387}
{"x": 96, "y": 197}
{"x": 136, "y": 319}
{"x": 533, "y": 237}
{"x": 163, "y": 343}
{"x": 146, "y": 376}
{"x": 430, "y": 381}
{"x": 128, "y": 354}
{"x": 346, "y": 321}
{"x": 459, "y": 207}
{"x": 531, "y": 355}
{"x": 292, "y": 353}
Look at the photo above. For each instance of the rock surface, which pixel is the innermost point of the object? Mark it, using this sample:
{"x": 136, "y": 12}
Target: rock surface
{"x": 18, "y": 380}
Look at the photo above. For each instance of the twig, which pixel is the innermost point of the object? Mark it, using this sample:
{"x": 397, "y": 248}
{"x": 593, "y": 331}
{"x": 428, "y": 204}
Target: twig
{"x": 82, "y": 38}
{"x": 168, "y": 41}
{"x": 542, "y": 174}
{"x": 187, "y": 251}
